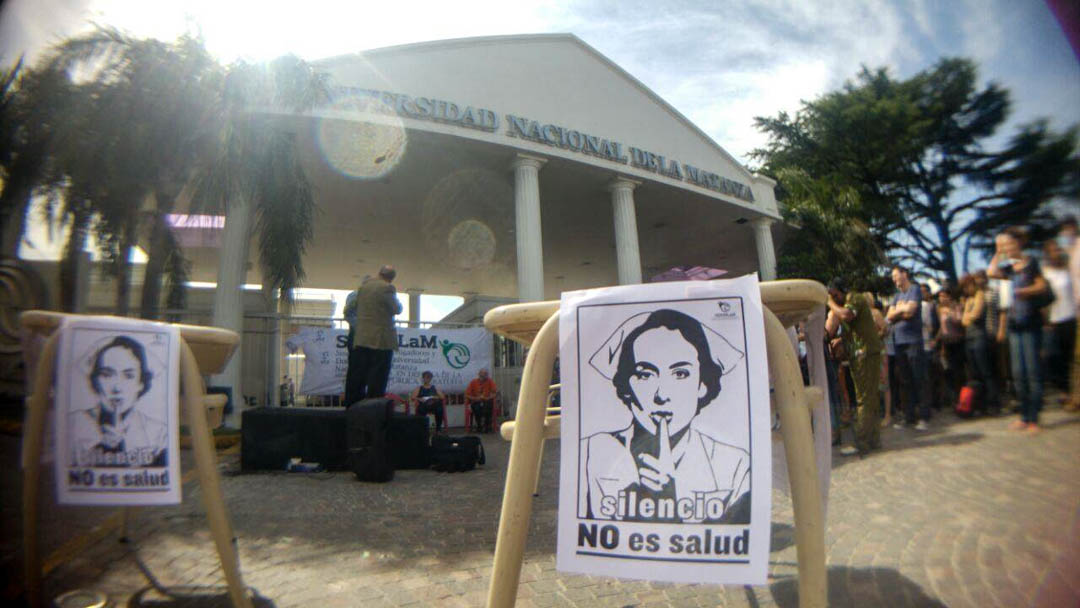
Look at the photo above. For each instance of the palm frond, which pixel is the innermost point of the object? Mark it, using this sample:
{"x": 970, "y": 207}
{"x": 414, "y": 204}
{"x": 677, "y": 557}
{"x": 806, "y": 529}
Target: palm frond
{"x": 285, "y": 209}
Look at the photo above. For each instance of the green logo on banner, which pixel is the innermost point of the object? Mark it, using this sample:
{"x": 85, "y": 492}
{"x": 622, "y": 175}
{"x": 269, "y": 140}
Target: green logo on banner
{"x": 457, "y": 355}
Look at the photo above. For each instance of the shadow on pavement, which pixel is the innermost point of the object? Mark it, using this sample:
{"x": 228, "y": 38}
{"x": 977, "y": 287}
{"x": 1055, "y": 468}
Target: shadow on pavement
{"x": 894, "y": 444}
{"x": 1061, "y": 423}
{"x": 189, "y": 597}
{"x": 860, "y": 587}
{"x": 781, "y": 537}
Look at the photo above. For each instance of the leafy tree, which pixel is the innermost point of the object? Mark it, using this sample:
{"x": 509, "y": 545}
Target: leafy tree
{"x": 852, "y": 254}
{"x": 917, "y": 154}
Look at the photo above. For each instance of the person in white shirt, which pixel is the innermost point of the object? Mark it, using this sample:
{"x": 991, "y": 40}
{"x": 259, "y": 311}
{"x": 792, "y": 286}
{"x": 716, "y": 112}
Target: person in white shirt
{"x": 1067, "y": 232}
{"x": 1005, "y": 297}
{"x": 1062, "y": 316}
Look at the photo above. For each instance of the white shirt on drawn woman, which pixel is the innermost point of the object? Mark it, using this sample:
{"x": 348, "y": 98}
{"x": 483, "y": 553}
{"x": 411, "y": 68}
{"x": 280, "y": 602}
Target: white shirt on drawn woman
{"x": 703, "y": 466}
{"x": 141, "y": 433}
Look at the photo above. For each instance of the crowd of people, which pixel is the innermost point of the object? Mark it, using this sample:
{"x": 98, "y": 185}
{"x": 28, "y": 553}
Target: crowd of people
{"x": 1001, "y": 338}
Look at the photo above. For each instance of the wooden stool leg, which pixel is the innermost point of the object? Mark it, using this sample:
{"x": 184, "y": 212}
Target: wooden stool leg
{"x": 522, "y": 470}
{"x": 206, "y": 463}
{"x": 802, "y": 468}
{"x": 33, "y": 437}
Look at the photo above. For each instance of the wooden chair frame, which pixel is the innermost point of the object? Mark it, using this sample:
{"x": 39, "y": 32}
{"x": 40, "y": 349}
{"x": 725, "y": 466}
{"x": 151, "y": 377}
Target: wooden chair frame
{"x": 212, "y": 347}
{"x": 537, "y": 325}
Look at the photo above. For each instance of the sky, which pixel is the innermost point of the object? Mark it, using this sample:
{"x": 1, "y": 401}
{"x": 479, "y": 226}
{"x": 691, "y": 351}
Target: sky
{"x": 719, "y": 63}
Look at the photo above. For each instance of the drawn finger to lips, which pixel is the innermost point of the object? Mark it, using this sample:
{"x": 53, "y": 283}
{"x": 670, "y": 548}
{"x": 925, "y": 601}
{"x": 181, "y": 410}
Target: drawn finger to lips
{"x": 649, "y": 473}
{"x": 110, "y": 438}
{"x": 656, "y": 472}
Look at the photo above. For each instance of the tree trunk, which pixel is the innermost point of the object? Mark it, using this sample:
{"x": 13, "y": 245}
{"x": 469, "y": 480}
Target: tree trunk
{"x": 935, "y": 214}
{"x": 162, "y": 248}
{"x": 948, "y": 258}
{"x": 123, "y": 275}
{"x": 17, "y": 203}
{"x": 150, "y": 305}
{"x": 69, "y": 265}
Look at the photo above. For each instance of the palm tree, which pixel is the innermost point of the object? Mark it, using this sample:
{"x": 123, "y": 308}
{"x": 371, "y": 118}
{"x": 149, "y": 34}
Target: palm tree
{"x": 257, "y": 161}
{"x": 148, "y": 113}
{"x": 33, "y": 107}
{"x": 157, "y": 119}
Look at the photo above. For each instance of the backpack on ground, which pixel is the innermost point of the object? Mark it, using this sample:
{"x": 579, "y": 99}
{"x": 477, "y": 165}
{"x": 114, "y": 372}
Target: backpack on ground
{"x": 454, "y": 454}
{"x": 965, "y": 404}
{"x": 409, "y": 439}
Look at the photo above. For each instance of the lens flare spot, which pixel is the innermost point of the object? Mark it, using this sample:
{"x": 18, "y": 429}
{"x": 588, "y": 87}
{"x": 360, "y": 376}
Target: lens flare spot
{"x": 464, "y": 213}
{"x": 363, "y": 139}
{"x": 471, "y": 244}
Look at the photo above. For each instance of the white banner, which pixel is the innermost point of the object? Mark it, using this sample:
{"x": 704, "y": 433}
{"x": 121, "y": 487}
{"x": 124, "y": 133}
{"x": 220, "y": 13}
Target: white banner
{"x": 453, "y": 356}
{"x": 666, "y": 460}
{"x": 117, "y": 403}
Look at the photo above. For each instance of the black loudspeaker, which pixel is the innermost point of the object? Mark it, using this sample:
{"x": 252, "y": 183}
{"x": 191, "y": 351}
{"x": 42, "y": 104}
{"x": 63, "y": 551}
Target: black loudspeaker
{"x": 367, "y": 428}
{"x": 271, "y": 436}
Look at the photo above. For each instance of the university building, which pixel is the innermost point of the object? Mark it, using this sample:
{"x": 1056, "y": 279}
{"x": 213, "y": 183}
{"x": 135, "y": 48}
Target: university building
{"x": 499, "y": 169}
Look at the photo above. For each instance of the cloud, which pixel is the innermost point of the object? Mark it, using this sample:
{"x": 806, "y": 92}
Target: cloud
{"x": 719, "y": 63}
{"x": 28, "y": 27}
{"x": 722, "y": 65}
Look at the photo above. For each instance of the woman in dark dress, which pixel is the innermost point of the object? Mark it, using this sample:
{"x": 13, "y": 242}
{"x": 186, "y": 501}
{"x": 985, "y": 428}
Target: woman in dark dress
{"x": 427, "y": 399}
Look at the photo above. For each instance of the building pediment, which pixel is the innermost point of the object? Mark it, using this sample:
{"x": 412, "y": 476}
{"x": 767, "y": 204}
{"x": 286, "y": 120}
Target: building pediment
{"x": 550, "y": 94}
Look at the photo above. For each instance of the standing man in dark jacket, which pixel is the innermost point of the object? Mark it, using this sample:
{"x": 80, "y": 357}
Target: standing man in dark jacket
{"x": 374, "y": 337}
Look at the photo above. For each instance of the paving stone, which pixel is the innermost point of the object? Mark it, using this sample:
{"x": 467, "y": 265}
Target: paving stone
{"x": 969, "y": 515}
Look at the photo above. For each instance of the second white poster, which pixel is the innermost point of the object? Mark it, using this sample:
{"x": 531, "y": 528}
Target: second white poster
{"x": 666, "y": 460}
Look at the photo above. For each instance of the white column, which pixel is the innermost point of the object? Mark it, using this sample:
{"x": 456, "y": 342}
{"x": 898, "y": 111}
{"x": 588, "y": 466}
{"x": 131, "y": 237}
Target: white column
{"x": 273, "y": 350}
{"x": 229, "y": 297}
{"x": 765, "y": 254}
{"x": 530, "y": 252}
{"x": 414, "y": 306}
{"x": 627, "y": 252}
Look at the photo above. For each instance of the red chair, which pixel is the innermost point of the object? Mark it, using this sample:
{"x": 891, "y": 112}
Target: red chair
{"x": 496, "y": 413}
{"x": 398, "y": 399}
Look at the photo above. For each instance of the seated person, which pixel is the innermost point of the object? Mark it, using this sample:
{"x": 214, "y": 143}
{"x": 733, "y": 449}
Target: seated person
{"x": 480, "y": 397}
{"x": 429, "y": 400}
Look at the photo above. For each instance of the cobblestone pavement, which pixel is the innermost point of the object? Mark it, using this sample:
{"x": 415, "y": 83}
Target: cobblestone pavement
{"x": 968, "y": 514}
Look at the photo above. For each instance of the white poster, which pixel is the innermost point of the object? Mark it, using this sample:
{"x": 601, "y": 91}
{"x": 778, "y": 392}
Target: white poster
{"x": 117, "y": 404}
{"x": 666, "y": 458}
{"x": 453, "y": 356}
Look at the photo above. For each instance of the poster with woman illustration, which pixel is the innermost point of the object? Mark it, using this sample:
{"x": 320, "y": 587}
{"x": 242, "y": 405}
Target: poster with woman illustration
{"x": 666, "y": 463}
{"x": 117, "y": 402}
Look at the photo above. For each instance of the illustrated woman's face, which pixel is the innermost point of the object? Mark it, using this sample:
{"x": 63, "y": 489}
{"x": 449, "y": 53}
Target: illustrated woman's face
{"x": 118, "y": 378}
{"x": 666, "y": 381}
